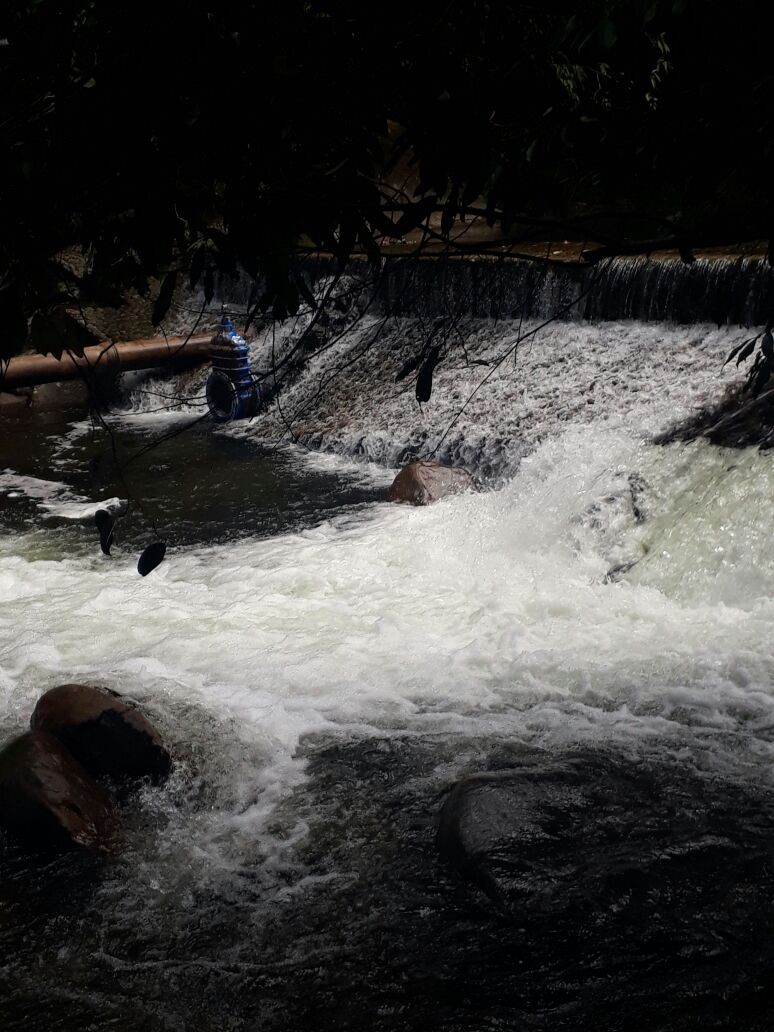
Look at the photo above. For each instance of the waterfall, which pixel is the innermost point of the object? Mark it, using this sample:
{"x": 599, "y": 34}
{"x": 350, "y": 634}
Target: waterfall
{"x": 736, "y": 291}
{"x": 526, "y": 349}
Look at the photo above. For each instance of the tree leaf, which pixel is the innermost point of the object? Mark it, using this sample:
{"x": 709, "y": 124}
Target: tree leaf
{"x": 746, "y": 351}
{"x": 369, "y": 245}
{"x": 13, "y": 324}
{"x": 151, "y": 558}
{"x": 448, "y": 216}
{"x": 104, "y": 524}
{"x": 408, "y": 367}
{"x": 305, "y": 291}
{"x": 762, "y": 376}
{"x": 607, "y": 34}
{"x": 425, "y": 378}
{"x": 209, "y": 285}
{"x": 56, "y": 331}
{"x": 735, "y": 351}
{"x": 164, "y": 300}
{"x": 197, "y": 266}
{"x": 414, "y": 216}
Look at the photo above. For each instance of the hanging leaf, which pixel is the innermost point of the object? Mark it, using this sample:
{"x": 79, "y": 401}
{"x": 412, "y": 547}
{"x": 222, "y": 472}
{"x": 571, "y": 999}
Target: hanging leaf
{"x": 369, "y": 245}
{"x": 304, "y": 291}
{"x": 607, "y": 34}
{"x": 151, "y": 558}
{"x": 197, "y": 266}
{"x": 164, "y": 300}
{"x": 286, "y": 300}
{"x": 209, "y": 285}
{"x": 104, "y": 524}
{"x": 13, "y": 323}
{"x": 425, "y": 377}
{"x": 735, "y": 351}
{"x": 767, "y": 346}
{"x": 448, "y": 216}
{"x": 414, "y": 216}
{"x": 746, "y": 351}
{"x": 56, "y": 331}
{"x": 762, "y": 376}
{"x": 408, "y": 367}
{"x": 346, "y": 240}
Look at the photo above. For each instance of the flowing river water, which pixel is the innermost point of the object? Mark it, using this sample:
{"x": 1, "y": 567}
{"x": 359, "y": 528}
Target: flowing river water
{"x": 326, "y": 666}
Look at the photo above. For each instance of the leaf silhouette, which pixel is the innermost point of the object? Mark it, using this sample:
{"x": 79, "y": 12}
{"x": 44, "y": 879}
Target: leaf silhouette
{"x": 164, "y": 300}
{"x": 408, "y": 367}
{"x": 104, "y": 524}
{"x": 735, "y": 351}
{"x": 425, "y": 377}
{"x": 746, "y": 351}
{"x": 762, "y": 376}
{"x": 151, "y": 558}
{"x": 197, "y": 266}
{"x": 209, "y": 284}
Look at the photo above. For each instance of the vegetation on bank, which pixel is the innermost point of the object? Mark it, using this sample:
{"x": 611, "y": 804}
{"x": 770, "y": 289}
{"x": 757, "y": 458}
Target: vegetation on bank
{"x": 146, "y": 144}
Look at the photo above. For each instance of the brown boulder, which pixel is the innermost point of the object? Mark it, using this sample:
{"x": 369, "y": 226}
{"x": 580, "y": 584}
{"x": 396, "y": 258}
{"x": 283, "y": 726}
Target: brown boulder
{"x": 108, "y": 735}
{"x": 47, "y": 797}
{"x": 421, "y": 483}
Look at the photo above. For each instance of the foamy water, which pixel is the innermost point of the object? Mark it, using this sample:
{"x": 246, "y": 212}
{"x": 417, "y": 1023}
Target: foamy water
{"x": 322, "y": 688}
{"x": 484, "y": 614}
{"x": 639, "y": 377}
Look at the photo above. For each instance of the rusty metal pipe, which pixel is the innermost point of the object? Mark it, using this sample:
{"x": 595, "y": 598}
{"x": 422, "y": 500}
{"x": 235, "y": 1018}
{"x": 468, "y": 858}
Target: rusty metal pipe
{"x": 175, "y": 352}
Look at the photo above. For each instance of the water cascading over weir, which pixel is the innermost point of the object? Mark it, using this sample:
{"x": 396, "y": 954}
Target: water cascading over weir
{"x": 524, "y": 350}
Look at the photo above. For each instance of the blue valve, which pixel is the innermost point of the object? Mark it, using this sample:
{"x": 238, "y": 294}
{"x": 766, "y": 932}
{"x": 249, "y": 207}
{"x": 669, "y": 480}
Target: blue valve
{"x": 231, "y": 391}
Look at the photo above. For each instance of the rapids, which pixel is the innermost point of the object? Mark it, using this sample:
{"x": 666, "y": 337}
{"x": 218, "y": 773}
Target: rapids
{"x": 325, "y": 673}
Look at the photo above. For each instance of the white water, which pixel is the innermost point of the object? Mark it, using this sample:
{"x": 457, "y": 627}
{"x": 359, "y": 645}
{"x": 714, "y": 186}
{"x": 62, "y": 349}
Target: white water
{"x": 612, "y": 595}
{"x": 484, "y": 615}
{"x": 488, "y": 616}
{"x": 638, "y": 377}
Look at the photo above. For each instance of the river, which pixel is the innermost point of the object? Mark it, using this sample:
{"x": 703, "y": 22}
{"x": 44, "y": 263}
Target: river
{"x": 326, "y": 666}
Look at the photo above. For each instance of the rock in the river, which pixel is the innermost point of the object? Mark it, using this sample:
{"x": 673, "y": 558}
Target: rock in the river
{"x": 107, "y": 734}
{"x": 421, "y": 483}
{"x": 46, "y": 796}
{"x": 480, "y": 812}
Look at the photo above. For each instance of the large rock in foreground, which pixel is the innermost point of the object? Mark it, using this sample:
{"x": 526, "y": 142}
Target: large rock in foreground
{"x": 108, "y": 735}
{"x": 421, "y": 483}
{"x": 46, "y": 797}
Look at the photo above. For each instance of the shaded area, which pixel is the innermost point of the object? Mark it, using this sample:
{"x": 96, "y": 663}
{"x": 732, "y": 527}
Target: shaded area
{"x": 639, "y": 893}
{"x": 739, "y": 420}
{"x": 198, "y": 487}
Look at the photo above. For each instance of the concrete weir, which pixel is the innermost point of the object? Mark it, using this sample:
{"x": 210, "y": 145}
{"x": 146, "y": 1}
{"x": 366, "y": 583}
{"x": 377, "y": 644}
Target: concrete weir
{"x": 174, "y": 352}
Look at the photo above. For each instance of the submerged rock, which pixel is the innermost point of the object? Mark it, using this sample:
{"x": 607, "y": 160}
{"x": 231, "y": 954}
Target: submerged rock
{"x": 479, "y": 820}
{"x": 46, "y": 796}
{"x": 423, "y": 482}
{"x": 107, "y": 734}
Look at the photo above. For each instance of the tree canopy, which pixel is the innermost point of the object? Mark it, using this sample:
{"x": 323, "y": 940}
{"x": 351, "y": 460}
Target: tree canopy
{"x": 158, "y": 141}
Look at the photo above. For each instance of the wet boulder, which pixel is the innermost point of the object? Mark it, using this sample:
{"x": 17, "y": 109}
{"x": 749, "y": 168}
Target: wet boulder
{"x": 423, "y": 482}
{"x": 47, "y": 798}
{"x": 105, "y": 732}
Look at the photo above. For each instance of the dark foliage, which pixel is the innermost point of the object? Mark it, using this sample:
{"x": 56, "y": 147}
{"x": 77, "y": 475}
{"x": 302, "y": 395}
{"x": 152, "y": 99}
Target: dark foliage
{"x": 760, "y": 371}
{"x": 147, "y": 140}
